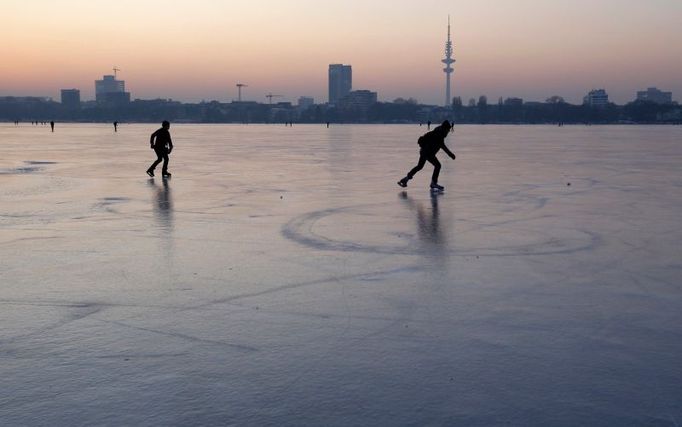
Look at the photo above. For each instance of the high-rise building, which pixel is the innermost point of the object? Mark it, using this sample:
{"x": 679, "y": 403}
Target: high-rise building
{"x": 340, "y": 81}
{"x": 448, "y": 70}
{"x": 596, "y": 98}
{"x": 71, "y": 98}
{"x": 111, "y": 90}
{"x": 652, "y": 94}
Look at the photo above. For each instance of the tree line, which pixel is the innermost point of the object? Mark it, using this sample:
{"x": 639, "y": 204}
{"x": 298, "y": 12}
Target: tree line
{"x": 509, "y": 111}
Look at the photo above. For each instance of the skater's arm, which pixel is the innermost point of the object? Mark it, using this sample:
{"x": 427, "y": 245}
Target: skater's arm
{"x": 151, "y": 139}
{"x": 448, "y": 152}
{"x": 170, "y": 144}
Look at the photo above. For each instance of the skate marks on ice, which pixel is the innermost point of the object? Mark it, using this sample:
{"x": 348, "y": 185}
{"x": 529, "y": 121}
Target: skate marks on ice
{"x": 362, "y": 276}
{"x": 514, "y": 224}
{"x": 50, "y": 318}
{"x": 108, "y": 204}
{"x": 30, "y": 166}
{"x": 183, "y": 336}
{"x": 46, "y": 317}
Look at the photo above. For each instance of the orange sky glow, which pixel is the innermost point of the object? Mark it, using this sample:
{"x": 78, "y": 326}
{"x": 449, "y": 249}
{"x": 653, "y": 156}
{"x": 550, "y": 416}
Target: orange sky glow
{"x": 194, "y": 50}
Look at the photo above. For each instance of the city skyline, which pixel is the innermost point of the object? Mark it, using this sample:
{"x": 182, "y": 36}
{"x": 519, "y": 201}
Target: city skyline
{"x": 204, "y": 48}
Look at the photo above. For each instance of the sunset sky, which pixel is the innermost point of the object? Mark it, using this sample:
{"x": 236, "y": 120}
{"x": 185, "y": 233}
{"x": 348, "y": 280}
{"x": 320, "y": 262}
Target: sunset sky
{"x": 194, "y": 50}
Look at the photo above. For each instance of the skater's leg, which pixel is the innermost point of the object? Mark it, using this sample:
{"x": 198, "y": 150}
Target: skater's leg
{"x": 410, "y": 174}
{"x": 159, "y": 159}
{"x": 165, "y": 163}
{"x": 434, "y": 178}
{"x": 436, "y": 169}
{"x": 420, "y": 166}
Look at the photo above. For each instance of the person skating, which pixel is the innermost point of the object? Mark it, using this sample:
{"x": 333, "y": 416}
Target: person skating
{"x": 162, "y": 144}
{"x": 430, "y": 143}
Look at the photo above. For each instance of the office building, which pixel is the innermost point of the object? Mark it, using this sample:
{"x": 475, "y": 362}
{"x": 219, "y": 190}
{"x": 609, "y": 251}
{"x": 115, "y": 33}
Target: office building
{"x": 71, "y": 98}
{"x": 596, "y": 98}
{"x": 305, "y": 102}
{"x": 358, "y": 100}
{"x": 340, "y": 81}
{"x": 513, "y": 102}
{"x": 654, "y": 95}
{"x": 111, "y": 90}
{"x": 114, "y": 98}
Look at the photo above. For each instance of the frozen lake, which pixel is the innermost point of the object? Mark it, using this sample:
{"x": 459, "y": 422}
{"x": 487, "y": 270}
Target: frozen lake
{"x": 281, "y": 277}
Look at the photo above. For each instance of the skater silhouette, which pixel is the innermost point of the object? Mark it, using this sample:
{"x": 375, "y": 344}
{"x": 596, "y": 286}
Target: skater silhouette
{"x": 115, "y": 126}
{"x": 162, "y": 144}
{"x": 430, "y": 143}
{"x": 52, "y": 126}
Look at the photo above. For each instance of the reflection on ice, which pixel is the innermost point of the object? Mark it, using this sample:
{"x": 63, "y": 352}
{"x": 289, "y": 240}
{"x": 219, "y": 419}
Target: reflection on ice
{"x": 428, "y": 222}
{"x": 163, "y": 202}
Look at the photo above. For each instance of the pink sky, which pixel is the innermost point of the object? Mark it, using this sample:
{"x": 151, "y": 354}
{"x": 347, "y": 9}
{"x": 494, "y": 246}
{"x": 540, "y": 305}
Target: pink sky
{"x": 194, "y": 50}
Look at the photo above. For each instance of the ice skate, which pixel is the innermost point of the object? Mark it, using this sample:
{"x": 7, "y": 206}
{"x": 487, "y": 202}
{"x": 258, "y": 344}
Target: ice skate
{"x": 150, "y": 172}
{"x": 435, "y": 187}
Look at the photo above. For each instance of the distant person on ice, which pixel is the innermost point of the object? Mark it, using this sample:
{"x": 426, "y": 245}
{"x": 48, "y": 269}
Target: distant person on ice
{"x": 161, "y": 143}
{"x": 430, "y": 143}
{"x": 52, "y": 125}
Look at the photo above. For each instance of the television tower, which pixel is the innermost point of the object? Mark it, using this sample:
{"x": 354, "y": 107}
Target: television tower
{"x": 239, "y": 89}
{"x": 448, "y": 61}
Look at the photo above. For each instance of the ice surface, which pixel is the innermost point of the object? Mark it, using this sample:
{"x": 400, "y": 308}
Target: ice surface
{"x": 281, "y": 277}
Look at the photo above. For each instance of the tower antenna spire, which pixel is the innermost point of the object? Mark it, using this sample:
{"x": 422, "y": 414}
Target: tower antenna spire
{"x": 448, "y": 70}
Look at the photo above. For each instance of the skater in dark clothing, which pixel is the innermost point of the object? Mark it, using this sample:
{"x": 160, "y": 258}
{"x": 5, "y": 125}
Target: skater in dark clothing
{"x": 430, "y": 144}
{"x": 115, "y": 126}
{"x": 162, "y": 144}
{"x": 52, "y": 126}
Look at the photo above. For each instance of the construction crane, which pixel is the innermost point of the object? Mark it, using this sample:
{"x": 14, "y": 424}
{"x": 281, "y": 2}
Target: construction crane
{"x": 115, "y": 71}
{"x": 239, "y": 91}
{"x": 270, "y": 96}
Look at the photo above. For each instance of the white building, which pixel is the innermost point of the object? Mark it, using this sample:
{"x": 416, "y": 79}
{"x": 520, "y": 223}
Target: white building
{"x": 596, "y": 98}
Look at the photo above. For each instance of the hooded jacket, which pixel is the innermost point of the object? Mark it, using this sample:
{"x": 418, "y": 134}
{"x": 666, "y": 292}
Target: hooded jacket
{"x": 431, "y": 142}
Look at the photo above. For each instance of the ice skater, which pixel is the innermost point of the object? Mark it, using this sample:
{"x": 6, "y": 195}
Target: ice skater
{"x": 430, "y": 143}
{"x": 115, "y": 126}
{"x": 162, "y": 144}
{"x": 52, "y": 125}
